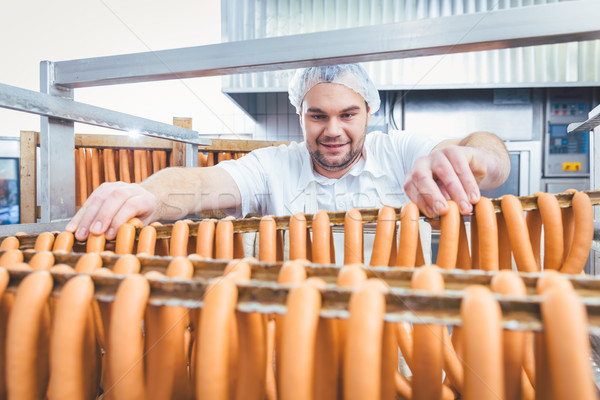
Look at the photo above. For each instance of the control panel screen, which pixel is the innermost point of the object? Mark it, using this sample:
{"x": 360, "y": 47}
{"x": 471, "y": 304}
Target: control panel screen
{"x": 563, "y": 143}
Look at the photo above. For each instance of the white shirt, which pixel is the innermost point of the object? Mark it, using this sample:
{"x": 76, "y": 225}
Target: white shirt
{"x": 282, "y": 181}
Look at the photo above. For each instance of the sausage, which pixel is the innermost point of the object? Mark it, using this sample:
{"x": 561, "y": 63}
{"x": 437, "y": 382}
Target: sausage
{"x": 582, "y": 241}
{"x": 298, "y": 342}
{"x": 504, "y": 250}
{"x": 251, "y": 331}
{"x": 292, "y": 272}
{"x": 124, "y": 175}
{"x": 136, "y": 222}
{"x": 224, "y": 240}
{"x": 125, "y": 239}
{"x": 475, "y": 261}
{"x": 179, "y": 239}
{"x": 487, "y": 235}
{"x": 206, "y": 238}
{"x": 10, "y": 258}
{"x": 353, "y": 237}
{"x": 69, "y": 375}
{"x": 308, "y": 245}
{"x": 95, "y": 243}
{"x": 452, "y": 363}
{"x": 384, "y": 235}
{"x": 449, "y": 232}
{"x": 568, "y": 226}
{"x": 409, "y": 235}
{"x": 95, "y": 161}
{"x": 61, "y": 269}
{"x": 553, "y": 230}
{"x": 332, "y": 259}
{"x": 463, "y": 257}
{"x": 238, "y": 245}
{"x": 427, "y": 346}
{"x": 166, "y": 363}
{"x": 27, "y": 338}
{"x": 64, "y": 242}
{"x": 403, "y": 386}
{"x": 534, "y": 228}
{"x": 88, "y": 170}
{"x": 405, "y": 338}
{"x": 267, "y": 231}
{"x": 389, "y": 361}
{"x": 509, "y": 283}
{"x": 482, "y": 344}
{"x": 146, "y": 241}
{"x": 394, "y": 249}
{"x": 270, "y": 381}
{"x": 239, "y": 270}
{"x": 109, "y": 165}
{"x": 127, "y": 264}
{"x": 527, "y": 391}
{"x": 518, "y": 234}
{"x": 529, "y": 359}
{"x": 10, "y": 243}
{"x": 321, "y": 253}
{"x": 326, "y": 359}
{"x": 564, "y": 316}
{"x": 44, "y": 242}
{"x": 42, "y": 261}
{"x": 137, "y": 165}
{"x": 297, "y": 232}
{"x": 81, "y": 174}
{"x": 201, "y": 159}
{"x": 88, "y": 263}
{"x": 362, "y": 352}
{"x": 126, "y": 372}
{"x": 212, "y": 361}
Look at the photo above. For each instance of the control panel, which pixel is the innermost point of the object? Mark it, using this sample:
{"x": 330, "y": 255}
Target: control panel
{"x": 566, "y": 154}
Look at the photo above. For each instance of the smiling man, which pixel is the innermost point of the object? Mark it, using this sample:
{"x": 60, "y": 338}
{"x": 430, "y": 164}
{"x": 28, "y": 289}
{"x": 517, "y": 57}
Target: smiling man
{"x": 337, "y": 167}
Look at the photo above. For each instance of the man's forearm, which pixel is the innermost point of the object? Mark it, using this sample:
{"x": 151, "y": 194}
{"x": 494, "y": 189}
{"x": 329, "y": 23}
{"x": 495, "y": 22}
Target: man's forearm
{"x": 176, "y": 191}
{"x": 183, "y": 191}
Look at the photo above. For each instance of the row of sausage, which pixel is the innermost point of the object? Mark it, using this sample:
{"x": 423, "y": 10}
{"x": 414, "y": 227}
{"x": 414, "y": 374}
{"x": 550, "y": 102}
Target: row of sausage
{"x": 495, "y": 238}
{"x": 95, "y": 166}
{"x": 73, "y": 346}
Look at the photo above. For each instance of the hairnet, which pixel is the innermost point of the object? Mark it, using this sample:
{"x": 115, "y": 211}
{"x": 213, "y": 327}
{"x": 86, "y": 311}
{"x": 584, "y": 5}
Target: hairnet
{"x": 350, "y": 75}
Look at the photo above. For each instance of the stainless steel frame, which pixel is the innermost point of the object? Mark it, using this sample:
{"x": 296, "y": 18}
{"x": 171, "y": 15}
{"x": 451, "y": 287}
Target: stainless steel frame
{"x": 526, "y": 26}
{"x": 535, "y": 25}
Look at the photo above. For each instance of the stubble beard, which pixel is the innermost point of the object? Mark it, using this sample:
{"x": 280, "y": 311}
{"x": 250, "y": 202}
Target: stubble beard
{"x": 351, "y": 157}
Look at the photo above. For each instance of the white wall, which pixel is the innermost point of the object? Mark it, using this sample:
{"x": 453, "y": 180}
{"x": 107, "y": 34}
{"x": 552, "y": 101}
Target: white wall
{"x": 32, "y": 31}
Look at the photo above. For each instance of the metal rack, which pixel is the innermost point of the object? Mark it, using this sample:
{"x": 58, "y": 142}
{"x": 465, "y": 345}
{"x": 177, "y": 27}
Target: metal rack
{"x": 463, "y": 33}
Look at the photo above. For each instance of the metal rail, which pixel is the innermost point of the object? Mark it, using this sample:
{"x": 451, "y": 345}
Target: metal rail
{"x": 536, "y": 25}
{"x": 518, "y": 313}
{"x": 251, "y": 224}
{"x": 18, "y": 99}
{"x": 592, "y": 122}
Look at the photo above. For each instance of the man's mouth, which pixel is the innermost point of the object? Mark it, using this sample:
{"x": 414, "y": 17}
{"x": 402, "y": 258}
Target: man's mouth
{"x": 333, "y": 146}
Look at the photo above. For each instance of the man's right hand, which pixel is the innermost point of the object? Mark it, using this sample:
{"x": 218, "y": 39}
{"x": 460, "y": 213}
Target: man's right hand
{"x": 110, "y": 206}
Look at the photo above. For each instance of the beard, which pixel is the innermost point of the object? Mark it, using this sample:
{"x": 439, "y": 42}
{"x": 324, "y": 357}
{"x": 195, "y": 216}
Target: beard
{"x": 349, "y": 159}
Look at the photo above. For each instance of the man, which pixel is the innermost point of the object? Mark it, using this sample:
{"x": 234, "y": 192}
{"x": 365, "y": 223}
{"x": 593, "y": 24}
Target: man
{"x": 337, "y": 167}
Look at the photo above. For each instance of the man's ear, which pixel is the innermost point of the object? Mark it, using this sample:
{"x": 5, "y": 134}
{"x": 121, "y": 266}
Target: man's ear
{"x": 368, "y": 114}
{"x": 301, "y": 120}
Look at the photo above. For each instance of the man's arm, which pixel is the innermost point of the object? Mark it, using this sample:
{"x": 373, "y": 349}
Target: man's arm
{"x": 169, "y": 194}
{"x": 457, "y": 169}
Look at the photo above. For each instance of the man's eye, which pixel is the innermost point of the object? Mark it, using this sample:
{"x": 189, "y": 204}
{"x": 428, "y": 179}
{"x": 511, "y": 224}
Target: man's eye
{"x": 316, "y": 116}
{"x": 348, "y": 115}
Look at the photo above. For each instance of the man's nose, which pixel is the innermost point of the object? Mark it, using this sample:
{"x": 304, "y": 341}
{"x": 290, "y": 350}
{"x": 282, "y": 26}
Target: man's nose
{"x": 333, "y": 128}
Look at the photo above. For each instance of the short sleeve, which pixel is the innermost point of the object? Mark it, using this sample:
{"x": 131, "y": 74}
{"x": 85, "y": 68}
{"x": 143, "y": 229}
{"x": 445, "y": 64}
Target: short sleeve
{"x": 248, "y": 174}
{"x": 412, "y": 146}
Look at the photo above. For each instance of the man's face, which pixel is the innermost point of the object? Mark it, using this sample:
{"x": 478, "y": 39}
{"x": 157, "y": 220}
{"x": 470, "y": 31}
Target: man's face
{"x": 334, "y": 120}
